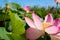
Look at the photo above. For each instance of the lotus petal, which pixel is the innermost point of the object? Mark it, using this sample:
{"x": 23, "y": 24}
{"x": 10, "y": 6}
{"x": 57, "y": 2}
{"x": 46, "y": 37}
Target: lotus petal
{"x": 30, "y": 22}
{"x": 58, "y": 34}
{"x": 52, "y": 30}
{"x": 49, "y": 18}
{"x": 33, "y": 33}
{"x": 57, "y": 22}
{"x": 37, "y": 21}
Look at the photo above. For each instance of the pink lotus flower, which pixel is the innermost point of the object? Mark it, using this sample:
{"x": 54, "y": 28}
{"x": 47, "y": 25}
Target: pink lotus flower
{"x": 56, "y": 24}
{"x": 37, "y": 27}
{"x": 27, "y": 9}
{"x": 55, "y": 0}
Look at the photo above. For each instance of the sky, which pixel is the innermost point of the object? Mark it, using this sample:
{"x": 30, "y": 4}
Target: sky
{"x": 23, "y": 3}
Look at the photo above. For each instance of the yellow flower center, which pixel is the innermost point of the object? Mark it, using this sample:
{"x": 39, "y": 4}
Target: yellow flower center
{"x": 45, "y": 25}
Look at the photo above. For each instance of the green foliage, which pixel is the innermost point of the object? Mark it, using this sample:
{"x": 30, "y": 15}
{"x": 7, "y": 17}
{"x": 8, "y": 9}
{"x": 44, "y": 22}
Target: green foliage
{"x": 40, "y": 12}
{"x": 56, "y": 16}
{"x": 17, "y": 27}
{"x": 15, "y": 6}
{"x": 29, "y": 15}
{"x": 4, "y": 17}
{"x": 3, "y": 34}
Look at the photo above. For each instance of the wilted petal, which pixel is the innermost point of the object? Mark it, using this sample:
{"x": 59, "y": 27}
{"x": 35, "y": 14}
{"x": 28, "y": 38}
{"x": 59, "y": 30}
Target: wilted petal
{"x": 54, "y": 37}
{"x": 30, "y": 22}
{"x": 49, "y": 18}
{"x": 33, "y": 33}
{"x": 57, "y": 22}
{"x": 52, "y": 30}
{"x": 37, "y": 21}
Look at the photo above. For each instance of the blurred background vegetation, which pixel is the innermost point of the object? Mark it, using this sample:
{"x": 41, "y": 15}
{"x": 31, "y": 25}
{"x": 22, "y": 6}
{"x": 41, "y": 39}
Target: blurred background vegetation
{"x": 17, "y": 9}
